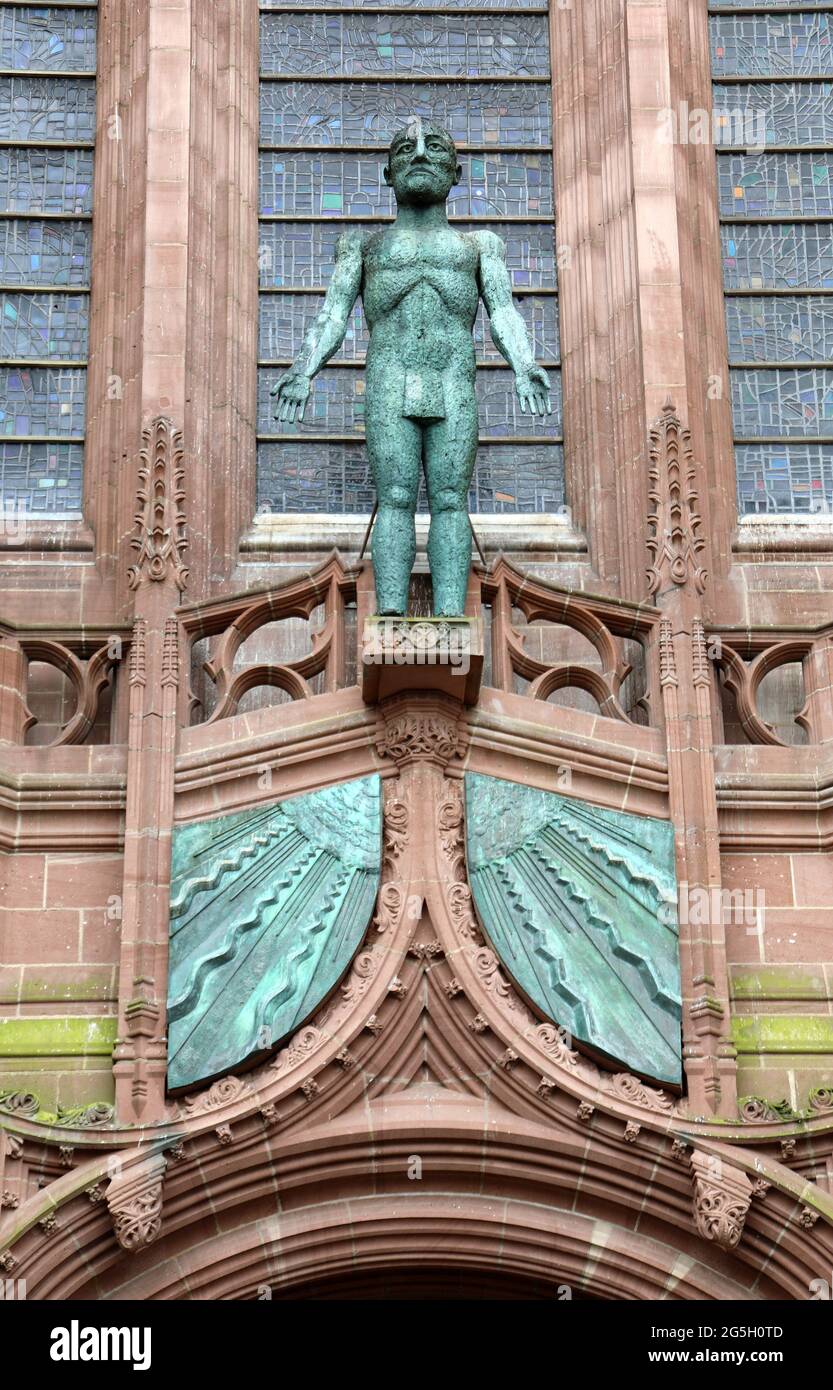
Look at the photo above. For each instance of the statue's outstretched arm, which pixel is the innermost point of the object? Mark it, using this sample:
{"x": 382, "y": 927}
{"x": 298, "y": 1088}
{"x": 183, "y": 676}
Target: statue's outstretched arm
{"x": 508, "y": 328}
{"x": 326, "y": 333}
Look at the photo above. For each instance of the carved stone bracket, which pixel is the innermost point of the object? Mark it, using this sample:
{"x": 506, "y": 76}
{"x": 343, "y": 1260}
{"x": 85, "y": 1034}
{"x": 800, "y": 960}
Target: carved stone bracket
{"x": 134, "y": 1198}
{"x": 722, "y": 1195}
{"x": 420, "y": 728}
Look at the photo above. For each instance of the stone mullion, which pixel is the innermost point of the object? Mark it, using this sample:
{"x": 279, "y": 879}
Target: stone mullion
{"x": 707, "y": 354}
{"x": 585, "y": 105}
{"x": 222, "y": 280}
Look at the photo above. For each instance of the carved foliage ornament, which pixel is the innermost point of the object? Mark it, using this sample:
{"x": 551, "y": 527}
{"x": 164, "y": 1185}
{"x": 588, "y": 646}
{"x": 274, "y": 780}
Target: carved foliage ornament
{"x": 722, "y": 1195}
{"x": 160, "y": 538}
{"x": 430, "y": 731}
{"x": 134, "y": 1198}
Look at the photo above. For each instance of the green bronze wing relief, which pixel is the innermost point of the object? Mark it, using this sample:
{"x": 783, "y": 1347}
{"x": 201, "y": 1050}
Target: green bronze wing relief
{"x": 578, "y": 902}
{"x": 268, "y": 908}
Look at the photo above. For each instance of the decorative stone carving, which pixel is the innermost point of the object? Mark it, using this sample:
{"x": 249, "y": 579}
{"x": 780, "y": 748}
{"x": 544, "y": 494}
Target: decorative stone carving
{"x": 636, "y": 1093}
{"x": 407, "y": 654}
{"x": 585, "y": 1112}
{"x": 674, "y": 537}
{"x": 722, "y": 1194}
{"x": 807, "y": 1218}
{"x": 160, "y": 539}
{"x": 667, "y": 657}
{"x": 428, "y": 730}
{"x": 222, "y": 1092}
{"x": 98, "y": 1115}
{"x": 21, "y": 1104}
{"x": 134, "y": 1197}
{"x": 632, "y": 1132}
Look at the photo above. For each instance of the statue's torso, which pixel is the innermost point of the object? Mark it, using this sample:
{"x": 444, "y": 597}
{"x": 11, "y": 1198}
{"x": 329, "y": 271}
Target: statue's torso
{"x": 420, "y": 295}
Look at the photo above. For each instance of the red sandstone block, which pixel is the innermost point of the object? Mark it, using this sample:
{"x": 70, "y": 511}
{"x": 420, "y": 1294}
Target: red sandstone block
{"x": 100, "y": 937}
{"x": 22, "y": 880}
{"x": 813, "y": 879}
{"x": 36, "y": 935}
{"x": 83, "y": 882}
{"x": 768, "y": 873}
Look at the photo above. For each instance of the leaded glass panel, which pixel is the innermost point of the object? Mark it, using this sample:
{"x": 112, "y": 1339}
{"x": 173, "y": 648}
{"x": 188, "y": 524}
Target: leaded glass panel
{"x": 335, "y": 477}
{"x": 336, "y": 405}
{"x": 360, "y": 113}
{"x": 780, "y": 329}
{"x": 778, "y": 256}
{"x": 296, "y": 254}
{"x": 294, "y": 43}
{"x": 772, "y": 44}
{"x": 42, "y": 400}
{"x": 358, "y": 110}
{"x": 52, "y": 108}
{"x": 421, "y": 4}
{"x": 33, "y": 180}
{"x": 44, "y": 325}
{"x": 773, "y": 113}
{"x": 285, "y": 318}
{"x": 333, "y": 185}
{"x": 788, "y": 477}
{"x": 41, "y": 478}
{"x": 45, "y": 99}
{"x": 718, "y": 4}
{"x": 775, "y": 185}
{"x": 47, "y": 40}
{"x": 789, "y": 402}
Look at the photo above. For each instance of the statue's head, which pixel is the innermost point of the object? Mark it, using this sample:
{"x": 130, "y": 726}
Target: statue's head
{"x": 422, "y": 164}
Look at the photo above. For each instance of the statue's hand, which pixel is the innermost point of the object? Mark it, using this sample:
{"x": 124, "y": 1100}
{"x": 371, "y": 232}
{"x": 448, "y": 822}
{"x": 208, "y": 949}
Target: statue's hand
{"x": 533, "y": 388}
{"x": 292, "y": 391}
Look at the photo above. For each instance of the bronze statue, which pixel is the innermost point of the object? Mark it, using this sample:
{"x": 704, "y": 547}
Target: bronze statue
{"x": 420, "y": 281}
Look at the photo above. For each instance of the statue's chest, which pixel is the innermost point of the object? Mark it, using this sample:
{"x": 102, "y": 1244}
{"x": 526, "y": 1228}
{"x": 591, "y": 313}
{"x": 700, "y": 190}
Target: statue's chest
{"x": 407, "y": 255}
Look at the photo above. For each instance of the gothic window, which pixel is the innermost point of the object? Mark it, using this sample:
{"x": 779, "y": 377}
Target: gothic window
{"x": 47, "y": 139}
{"x": 336, "y": 82}
{"x": 772, "y": 66}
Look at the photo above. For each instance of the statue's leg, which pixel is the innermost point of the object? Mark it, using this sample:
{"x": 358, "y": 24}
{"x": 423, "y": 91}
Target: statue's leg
{"x": 450, "y": 451}
{"x": 394, "y": 447}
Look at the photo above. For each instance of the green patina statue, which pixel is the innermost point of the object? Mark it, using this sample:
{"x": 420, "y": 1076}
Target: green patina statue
{"x": 420, "y": 281}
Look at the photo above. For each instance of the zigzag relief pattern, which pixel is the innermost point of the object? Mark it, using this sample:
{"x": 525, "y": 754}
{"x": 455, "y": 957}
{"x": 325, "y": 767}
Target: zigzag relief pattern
{"x": 267, "y": 909}
{"x": 574, "y": 899}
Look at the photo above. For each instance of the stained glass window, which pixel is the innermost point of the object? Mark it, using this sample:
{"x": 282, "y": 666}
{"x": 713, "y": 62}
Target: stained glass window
{"x": 335, "y": 86}
{"x": 773, "y": 123}
{"x": 47, "y": 126}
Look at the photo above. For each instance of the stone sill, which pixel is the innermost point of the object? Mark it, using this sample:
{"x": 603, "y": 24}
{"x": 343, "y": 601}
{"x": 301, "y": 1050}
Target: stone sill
{"x": 496, "y": 531}
{"x": 795, "y": 532}
{"x": 41, "y": 533}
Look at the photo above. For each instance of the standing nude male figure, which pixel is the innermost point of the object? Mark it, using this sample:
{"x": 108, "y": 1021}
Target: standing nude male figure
{"x": 420, "y": 281}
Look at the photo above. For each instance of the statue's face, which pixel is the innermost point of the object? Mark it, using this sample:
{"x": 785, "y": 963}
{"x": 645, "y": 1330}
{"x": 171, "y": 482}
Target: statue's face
{"x": 422, "y": 165}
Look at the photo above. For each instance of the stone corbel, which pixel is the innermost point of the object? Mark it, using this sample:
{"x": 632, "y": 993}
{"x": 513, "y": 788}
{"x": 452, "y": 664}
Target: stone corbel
{"x": 134, "y": 1198}
{"x": 722, "y": 1195}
